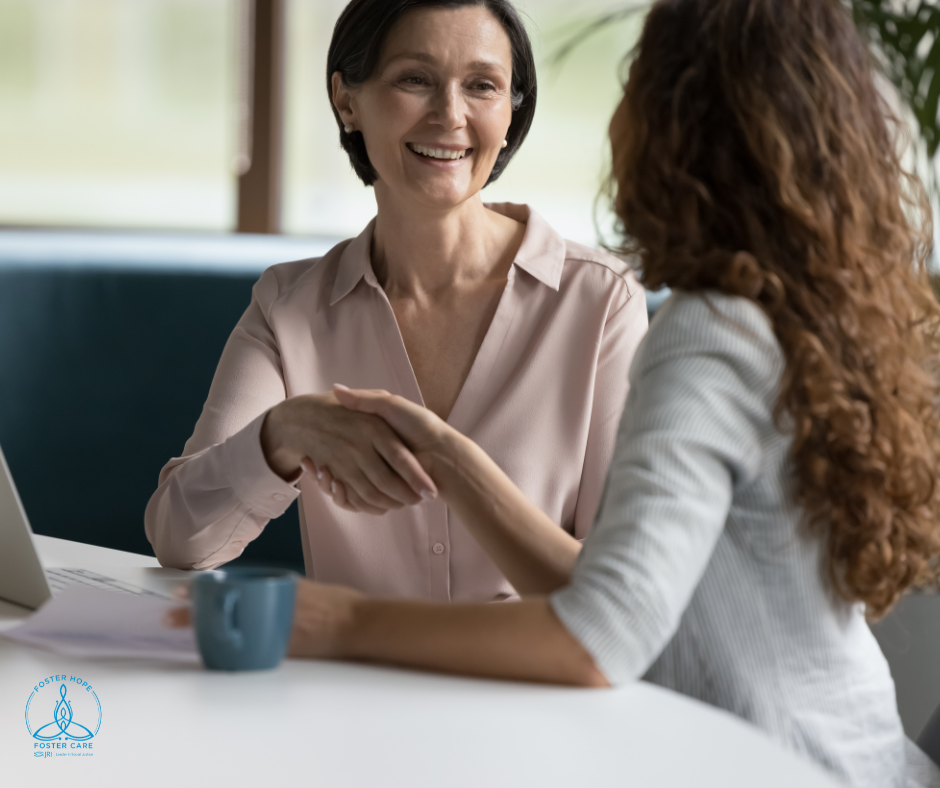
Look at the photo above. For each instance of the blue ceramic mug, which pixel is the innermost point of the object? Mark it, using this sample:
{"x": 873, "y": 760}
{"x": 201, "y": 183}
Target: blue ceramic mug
{"x": 243, "y": 616}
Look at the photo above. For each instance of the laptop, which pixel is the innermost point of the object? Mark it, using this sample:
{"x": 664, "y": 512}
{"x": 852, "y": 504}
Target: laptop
{"x": 23, "y": 580}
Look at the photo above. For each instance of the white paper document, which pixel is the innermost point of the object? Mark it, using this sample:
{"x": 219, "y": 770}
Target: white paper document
{"x": 93, "y": 622}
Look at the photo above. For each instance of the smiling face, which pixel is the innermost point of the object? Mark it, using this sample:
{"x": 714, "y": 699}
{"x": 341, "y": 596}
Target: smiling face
{"x": 435, "y": 113}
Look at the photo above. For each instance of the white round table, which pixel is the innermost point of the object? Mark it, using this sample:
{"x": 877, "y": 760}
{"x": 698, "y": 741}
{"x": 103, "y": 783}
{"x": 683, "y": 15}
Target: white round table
{"x": 337, "y": 724}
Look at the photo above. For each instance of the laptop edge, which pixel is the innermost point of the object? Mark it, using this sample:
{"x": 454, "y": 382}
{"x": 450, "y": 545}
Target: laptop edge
{"x": 22, "y": 579}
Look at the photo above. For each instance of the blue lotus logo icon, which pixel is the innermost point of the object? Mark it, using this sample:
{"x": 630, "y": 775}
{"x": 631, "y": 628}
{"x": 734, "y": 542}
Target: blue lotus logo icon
{"x": 63, "y": 725}
{"x": 63, "y": 713}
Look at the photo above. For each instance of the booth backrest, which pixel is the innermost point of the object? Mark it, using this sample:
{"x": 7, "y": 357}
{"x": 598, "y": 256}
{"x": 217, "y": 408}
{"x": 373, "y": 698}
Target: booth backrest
{"x": 104, "y": 366}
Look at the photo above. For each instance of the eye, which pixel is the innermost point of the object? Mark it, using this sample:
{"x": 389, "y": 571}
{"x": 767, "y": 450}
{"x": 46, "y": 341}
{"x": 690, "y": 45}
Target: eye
{"x": 484, "y": 85}
{"x": 413, "y": 79}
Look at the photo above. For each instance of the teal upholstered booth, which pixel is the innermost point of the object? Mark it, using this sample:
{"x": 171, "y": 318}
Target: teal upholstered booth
{"x": 108, "y": 343}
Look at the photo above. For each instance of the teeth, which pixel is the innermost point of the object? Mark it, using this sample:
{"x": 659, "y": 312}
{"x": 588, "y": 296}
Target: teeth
{"x": 438, "y": 153}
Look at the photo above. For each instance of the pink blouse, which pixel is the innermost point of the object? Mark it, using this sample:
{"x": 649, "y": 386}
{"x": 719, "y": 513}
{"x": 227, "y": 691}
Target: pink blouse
{"x": 543, "y": 399}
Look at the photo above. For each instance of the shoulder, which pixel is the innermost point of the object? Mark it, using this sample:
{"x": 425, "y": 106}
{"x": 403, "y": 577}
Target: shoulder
{"x": 598, "y": 263}
{"x": 715, "y": 316}
{"x": 601, "y": 273}
{"x": 572, "y": 269}
{"x": 731, "y": 330}
{"x": 281, "y": 279}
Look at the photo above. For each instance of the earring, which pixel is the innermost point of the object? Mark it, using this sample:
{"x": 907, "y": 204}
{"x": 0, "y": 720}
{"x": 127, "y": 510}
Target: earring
{"x": 348, "y": 129}
{"x": 505, "y": 143}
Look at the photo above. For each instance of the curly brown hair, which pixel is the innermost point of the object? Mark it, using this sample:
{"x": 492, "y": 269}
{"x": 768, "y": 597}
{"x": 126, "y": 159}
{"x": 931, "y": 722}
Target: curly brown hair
{"x": 753, "y": 153}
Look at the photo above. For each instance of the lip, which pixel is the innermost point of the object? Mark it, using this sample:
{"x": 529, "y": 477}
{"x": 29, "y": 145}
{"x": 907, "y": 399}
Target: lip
{"x": 441, "y": 163}
{"x": 441, "y": 145}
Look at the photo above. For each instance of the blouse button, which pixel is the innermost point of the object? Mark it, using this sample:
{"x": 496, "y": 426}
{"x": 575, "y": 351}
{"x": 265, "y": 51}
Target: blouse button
{"x": 278, "y": 497}
{"x": 438, "y": 548}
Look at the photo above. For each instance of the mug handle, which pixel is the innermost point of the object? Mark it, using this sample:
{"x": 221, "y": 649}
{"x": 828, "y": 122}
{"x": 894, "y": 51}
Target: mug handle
{"x": 231, "y": 632}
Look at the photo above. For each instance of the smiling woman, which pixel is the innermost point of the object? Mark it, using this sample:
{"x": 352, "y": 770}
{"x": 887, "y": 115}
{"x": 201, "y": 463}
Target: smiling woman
{"x": 481, "y": 313}
{"x": 356, "y": 51}
{"x": 436, "y": 113}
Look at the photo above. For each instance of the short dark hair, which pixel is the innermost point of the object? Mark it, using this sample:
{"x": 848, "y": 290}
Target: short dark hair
{"x": 357, "y": 42}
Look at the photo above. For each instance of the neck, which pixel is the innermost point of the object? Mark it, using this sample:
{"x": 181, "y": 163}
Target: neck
{"x": 417, "y": 250}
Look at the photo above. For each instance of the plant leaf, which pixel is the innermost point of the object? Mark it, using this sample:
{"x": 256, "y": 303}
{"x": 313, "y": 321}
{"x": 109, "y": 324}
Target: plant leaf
{"x": 595, "y": 26}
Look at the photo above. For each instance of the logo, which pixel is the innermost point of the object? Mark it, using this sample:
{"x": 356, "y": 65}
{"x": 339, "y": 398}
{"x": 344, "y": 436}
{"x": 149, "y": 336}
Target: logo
{"x": 63, "y": 715}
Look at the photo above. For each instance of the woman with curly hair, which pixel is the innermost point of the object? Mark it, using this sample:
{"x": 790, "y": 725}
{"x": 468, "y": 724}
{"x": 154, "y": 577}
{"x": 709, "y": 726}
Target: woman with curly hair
{"x": 775, "y": 473}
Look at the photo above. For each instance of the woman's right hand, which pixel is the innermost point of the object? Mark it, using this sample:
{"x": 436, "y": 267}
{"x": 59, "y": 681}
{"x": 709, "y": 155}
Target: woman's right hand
{"x": 425, "y": 433}
{"x": 431, "y": 440}
{"x": 359, "y": 452}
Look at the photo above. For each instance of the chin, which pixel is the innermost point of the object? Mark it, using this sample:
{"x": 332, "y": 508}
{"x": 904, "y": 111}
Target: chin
{"x": 446, "y": 198}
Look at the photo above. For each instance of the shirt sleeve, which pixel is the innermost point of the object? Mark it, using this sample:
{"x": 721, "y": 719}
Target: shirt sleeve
{"x": 624, "y": 330}
{"x": 220, "y": 493}
{"x": 696, "y": 419}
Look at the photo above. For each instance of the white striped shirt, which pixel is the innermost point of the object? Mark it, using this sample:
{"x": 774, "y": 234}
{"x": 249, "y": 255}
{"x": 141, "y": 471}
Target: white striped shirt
{"x": 700, "y": 575}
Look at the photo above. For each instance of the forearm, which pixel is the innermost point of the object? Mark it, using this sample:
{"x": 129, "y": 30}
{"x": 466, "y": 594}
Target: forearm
{"x": 190, "y": 525}
{"x": 534, "y": 554}
{"x": 210, "y": 505}
{"x": 520, "y": 640}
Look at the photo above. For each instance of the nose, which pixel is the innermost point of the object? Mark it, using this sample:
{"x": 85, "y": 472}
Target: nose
{"x": 449, "y": 109}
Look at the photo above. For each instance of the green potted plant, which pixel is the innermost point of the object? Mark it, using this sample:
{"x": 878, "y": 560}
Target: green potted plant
{"x": 905, "y": 38}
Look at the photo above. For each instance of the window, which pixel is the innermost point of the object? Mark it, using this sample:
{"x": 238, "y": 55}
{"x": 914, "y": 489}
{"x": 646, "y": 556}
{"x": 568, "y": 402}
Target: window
{"x": 126, "y": 114}
{"x": 131, "y": 113}
{"x": 118, "y": 113}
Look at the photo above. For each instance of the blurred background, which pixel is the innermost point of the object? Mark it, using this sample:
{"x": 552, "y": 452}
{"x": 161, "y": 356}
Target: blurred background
{"x": 137, "y": 114}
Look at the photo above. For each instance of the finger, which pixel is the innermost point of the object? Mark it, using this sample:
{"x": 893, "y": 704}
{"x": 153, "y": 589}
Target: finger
{"x": 309, "y": 466}
{"x": 361, "y": 505}
{"x": 337, "y": 492}
{"x": 403, "y": 463}
{"x": 325, "y": 481}
{"x": 387, "y": 481}
{"x": 414, "y": 424}
{"x": 340, "y": 494}
{"x": 177, "y": 617}
{"x": 363, "y": 400}
{"x": 357, "y": 481}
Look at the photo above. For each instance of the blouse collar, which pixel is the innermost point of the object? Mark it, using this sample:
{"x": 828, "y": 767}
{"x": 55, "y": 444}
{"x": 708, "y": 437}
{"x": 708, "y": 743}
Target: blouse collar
{"x": 541, "y": 253}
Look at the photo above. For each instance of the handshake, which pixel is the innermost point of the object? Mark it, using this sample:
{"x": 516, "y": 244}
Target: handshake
{"x": 371, "y": 451}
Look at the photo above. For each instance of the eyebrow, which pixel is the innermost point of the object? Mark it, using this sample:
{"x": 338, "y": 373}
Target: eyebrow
{"x": 424, "y": 57}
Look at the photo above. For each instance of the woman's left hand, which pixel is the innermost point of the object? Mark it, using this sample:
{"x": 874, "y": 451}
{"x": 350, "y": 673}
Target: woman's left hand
{"x": 323, "y": 617}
